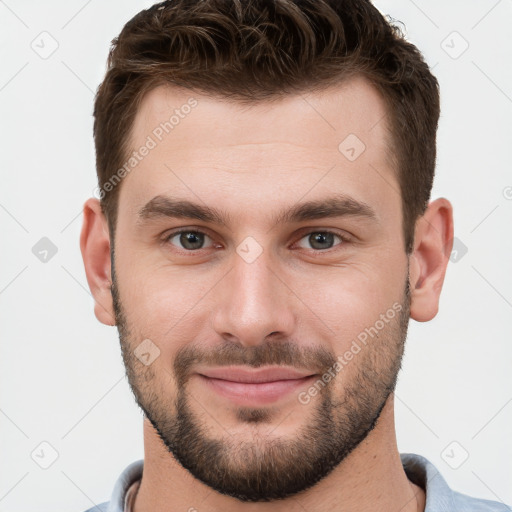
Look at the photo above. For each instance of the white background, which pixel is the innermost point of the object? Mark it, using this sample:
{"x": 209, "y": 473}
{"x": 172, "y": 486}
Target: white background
{"x": 61, "y": 373}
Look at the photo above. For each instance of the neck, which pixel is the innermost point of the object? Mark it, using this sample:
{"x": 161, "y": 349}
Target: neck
{"x": 371, "y": 477}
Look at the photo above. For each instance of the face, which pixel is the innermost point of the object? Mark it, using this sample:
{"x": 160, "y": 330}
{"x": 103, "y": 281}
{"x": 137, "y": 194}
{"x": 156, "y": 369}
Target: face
{"x": 261, "y": 237}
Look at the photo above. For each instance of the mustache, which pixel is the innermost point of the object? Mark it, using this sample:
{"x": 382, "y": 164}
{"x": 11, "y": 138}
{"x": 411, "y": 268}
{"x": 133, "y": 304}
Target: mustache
{"x": 281, "y": 353}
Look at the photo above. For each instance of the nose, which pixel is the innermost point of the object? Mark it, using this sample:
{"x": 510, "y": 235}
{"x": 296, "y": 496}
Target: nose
{"x": 253, "y": 302}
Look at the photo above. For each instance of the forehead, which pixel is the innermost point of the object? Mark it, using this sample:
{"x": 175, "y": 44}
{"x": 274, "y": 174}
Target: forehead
{"x": 211, "y": 147}
{"x": 354, "y": 104}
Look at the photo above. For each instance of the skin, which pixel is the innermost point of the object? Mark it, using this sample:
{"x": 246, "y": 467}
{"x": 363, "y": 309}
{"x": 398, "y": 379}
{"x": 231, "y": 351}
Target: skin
{"x": 251, "y": 163}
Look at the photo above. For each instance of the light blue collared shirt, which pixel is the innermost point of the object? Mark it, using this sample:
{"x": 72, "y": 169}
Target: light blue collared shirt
{"x": 420, "y": 471}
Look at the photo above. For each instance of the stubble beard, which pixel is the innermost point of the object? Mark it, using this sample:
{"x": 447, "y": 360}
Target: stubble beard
{"x": 258, "y": 468}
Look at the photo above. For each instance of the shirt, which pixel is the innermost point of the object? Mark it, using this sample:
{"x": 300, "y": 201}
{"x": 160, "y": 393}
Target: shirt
{"x": 420, "y": 471}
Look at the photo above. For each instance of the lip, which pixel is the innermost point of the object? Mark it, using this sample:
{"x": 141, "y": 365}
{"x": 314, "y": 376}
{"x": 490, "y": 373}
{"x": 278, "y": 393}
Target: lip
{"x": 268, "y": 374}
{"x": 254, "y": 387}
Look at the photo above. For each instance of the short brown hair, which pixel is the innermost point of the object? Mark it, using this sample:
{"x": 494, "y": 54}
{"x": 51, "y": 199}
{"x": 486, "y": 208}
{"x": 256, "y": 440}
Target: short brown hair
{"x": 259, "y": 50}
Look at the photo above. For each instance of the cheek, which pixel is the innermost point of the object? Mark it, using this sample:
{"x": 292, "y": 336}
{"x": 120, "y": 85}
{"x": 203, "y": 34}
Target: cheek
{"x": 349, "y": 299}
{"x": 164, "y": 304}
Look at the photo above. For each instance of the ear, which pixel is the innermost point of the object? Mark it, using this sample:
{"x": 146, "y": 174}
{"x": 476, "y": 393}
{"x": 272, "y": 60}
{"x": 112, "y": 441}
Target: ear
{"x": 95, "y": 248}
{"x": 433, "y": 241}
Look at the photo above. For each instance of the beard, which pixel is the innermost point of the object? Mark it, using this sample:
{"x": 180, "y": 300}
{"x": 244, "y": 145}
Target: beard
{"x": 261, "y": 468}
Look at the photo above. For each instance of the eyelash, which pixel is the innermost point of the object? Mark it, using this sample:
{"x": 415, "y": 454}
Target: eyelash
{"x": 344, "y": 239}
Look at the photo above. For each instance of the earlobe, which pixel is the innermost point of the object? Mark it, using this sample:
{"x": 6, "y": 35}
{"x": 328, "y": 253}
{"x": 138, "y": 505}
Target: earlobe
{"x": 95, "y": 248}
{"x": 433, "y": 242}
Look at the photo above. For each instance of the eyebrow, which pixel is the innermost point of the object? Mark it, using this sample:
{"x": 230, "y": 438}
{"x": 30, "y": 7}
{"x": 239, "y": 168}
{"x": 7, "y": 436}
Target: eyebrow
{"x": 333, "y": 206}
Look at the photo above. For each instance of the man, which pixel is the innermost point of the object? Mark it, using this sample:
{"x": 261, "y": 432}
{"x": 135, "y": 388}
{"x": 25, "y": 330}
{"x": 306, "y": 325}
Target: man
{"x": 263, "y": 235}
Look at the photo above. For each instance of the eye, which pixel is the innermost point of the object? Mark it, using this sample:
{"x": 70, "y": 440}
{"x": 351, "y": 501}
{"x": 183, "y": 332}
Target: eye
{"x": 322, "y": 240}
{"x": 193, "y": 240}
{"x": 189, "y": 240}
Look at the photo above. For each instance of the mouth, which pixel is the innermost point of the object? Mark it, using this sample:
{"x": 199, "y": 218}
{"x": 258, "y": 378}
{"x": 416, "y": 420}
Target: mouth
{"x": 255, "y": 387}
